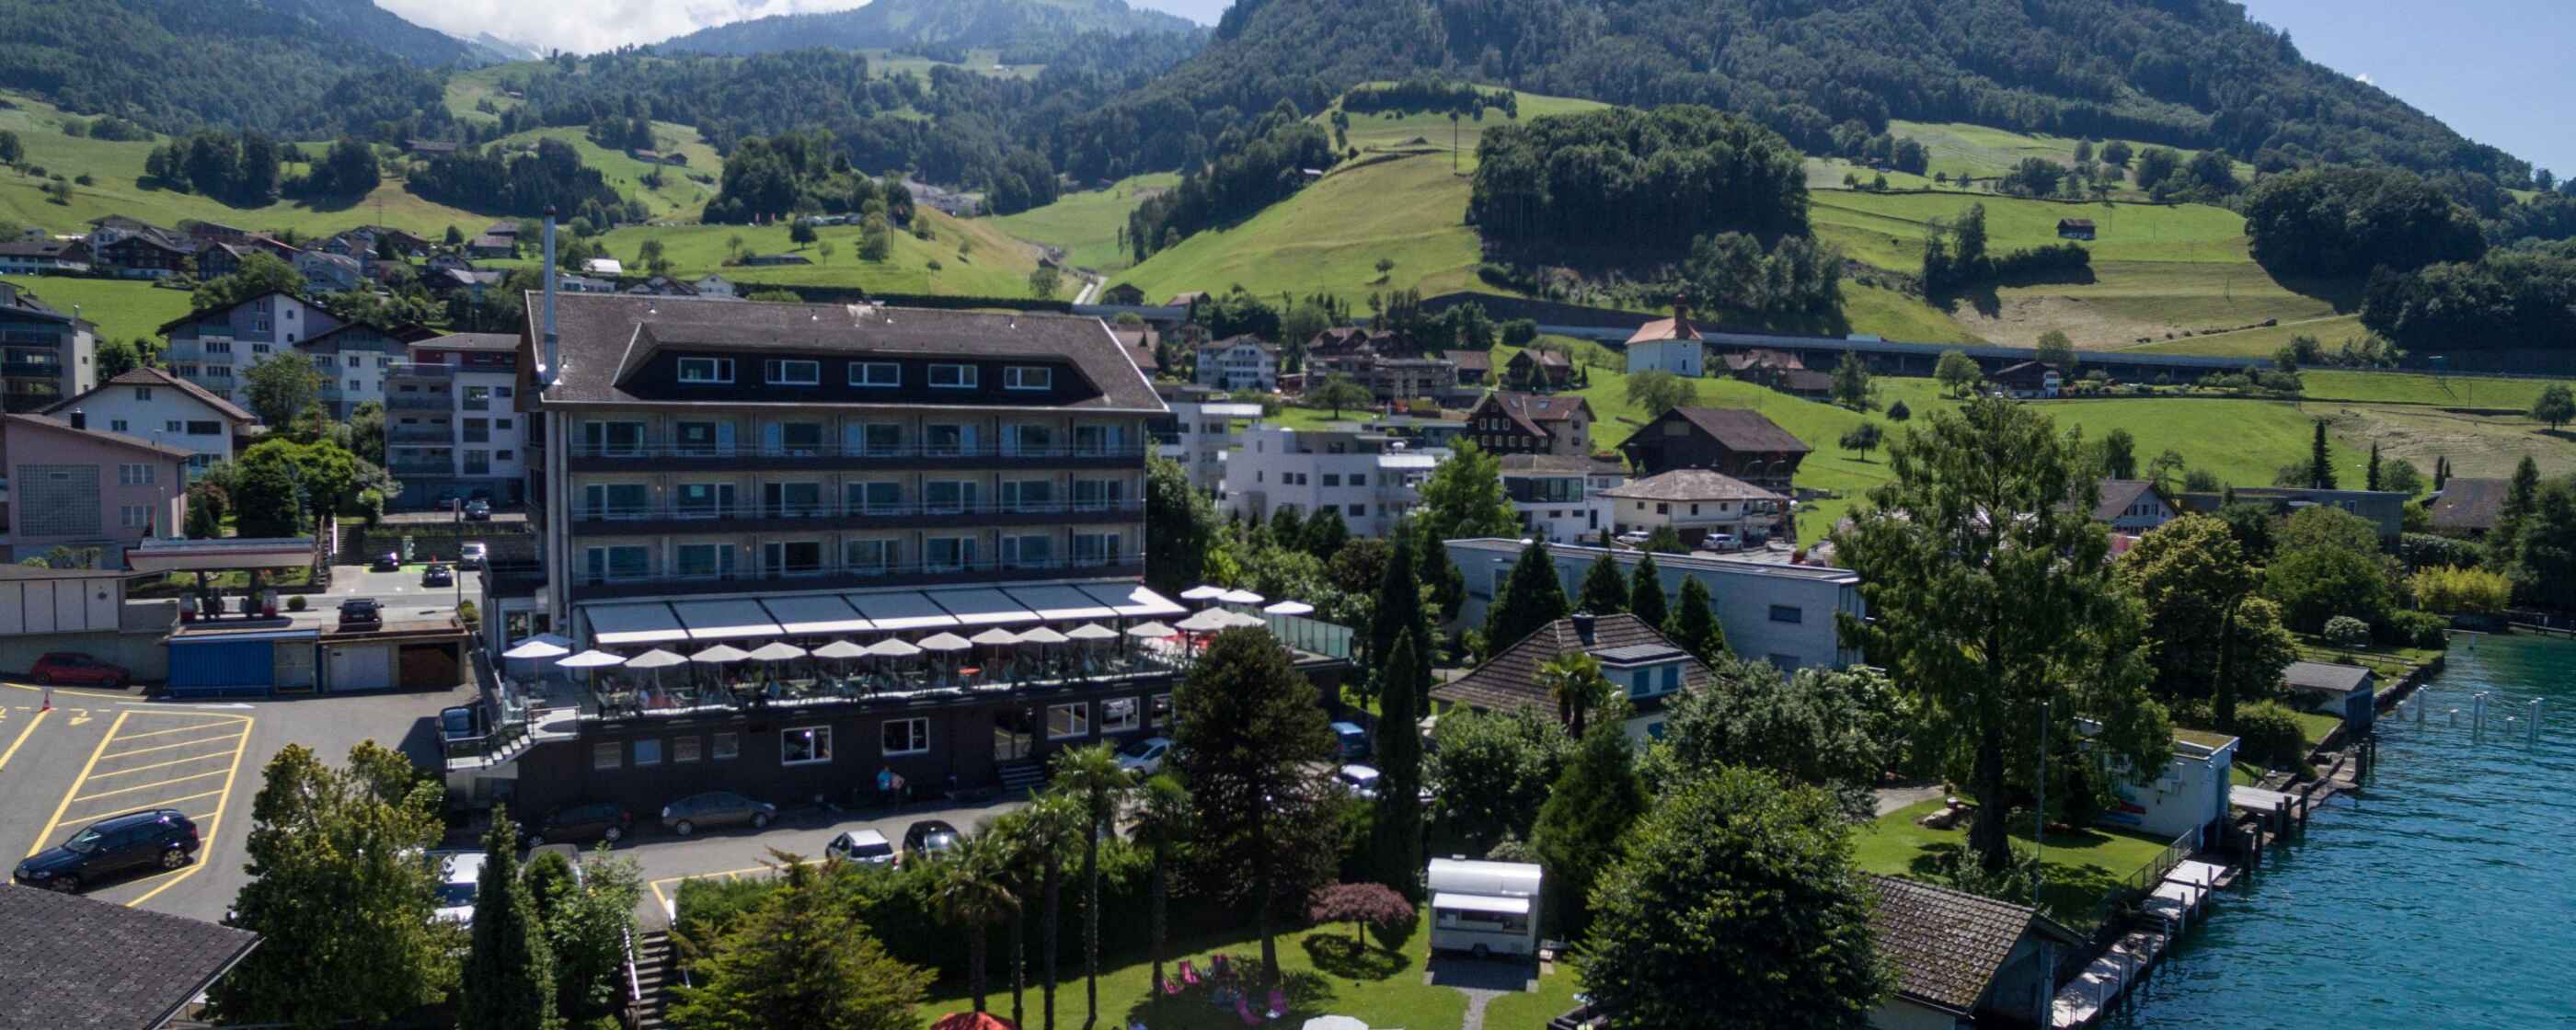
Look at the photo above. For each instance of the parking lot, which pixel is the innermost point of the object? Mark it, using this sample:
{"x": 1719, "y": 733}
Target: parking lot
{"x": 99, "y": 753}
{"x": 666, "y": 860}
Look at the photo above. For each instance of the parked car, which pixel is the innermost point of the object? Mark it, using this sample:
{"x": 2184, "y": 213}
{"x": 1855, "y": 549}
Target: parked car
{"x": 1634, "y": 537}
{"x": 716, "y": 808}
{"x": 1145, "y": 757}
{"x": 1352, "y": 739}
{"x": 478, "y": 510}
{"x": 361, "y": 612}
{"x": 156, "y": 838}
{"x": 460, "y": 728}
{"x": 1720, "y": 542}
{"x": 599, "y": 820}
{"x": 73, "y": 667}
{"x": 474, "y": 555}
{"x": 386, "y": 562}
{"x": 438, "y": 576}
{"x": 460, "y": 875}
{"x": 864, "y": 846}
{"x": 1362, "y": 781}
{"x": 926, "y": 839}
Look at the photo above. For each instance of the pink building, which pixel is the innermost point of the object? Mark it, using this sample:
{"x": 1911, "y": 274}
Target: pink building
{"x": 71, "y": 486}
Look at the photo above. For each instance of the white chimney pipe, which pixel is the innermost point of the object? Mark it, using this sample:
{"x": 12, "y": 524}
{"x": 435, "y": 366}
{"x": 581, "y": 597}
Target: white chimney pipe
{"x": 552, "y": 368}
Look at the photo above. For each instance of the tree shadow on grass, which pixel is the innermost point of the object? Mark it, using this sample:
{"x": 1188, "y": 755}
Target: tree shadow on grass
{"x": 1197, "y": 1008}
{"x": 1350, "y": 959}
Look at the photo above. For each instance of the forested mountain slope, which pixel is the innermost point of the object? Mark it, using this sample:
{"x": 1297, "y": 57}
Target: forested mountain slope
{"x": 935, "y": 24}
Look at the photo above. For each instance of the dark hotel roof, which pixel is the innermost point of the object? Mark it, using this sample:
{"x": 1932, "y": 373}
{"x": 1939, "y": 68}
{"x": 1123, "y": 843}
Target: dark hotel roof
{"x": 67, "y": 961}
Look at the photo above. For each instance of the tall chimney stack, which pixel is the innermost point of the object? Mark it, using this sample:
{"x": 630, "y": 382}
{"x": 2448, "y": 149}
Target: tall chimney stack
{"x": 1681, "y": 308}
{"x": 552, "y": 367}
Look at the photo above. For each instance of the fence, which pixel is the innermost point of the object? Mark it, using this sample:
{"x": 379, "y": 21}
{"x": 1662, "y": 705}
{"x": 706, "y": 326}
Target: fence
{"x": 1312, "y": 636}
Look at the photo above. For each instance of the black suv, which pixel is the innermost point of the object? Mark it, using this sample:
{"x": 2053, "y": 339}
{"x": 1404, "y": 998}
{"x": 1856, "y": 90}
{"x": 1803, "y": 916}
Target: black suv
{"x": 926, "y": 839}
{"x": 596, "y": 821}
{"x": 159, "y": 838}
{"x": 362, "y": 611}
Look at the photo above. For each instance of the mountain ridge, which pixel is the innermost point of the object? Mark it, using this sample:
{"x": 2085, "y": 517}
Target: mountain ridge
{"x": 893, "y": 24}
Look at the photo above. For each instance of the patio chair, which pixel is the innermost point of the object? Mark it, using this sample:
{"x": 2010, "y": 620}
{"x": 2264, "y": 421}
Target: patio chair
{"x": 1278, "y": 1003}
{"x": 1189, "y": 973}
{"x": 1243, "y": 1008}
{"x": 1171, "y": 985}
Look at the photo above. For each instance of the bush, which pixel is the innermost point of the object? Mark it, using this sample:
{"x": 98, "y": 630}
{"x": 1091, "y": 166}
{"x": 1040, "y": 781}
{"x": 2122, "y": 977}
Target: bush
{"x": 295, "y": 602}
{"x": 2461, "y": 591}
{"x": 2346, "y": 631}
{"x": 2425, "y": 550}
{"x": 2269, "y": 735}
{"x": 2416, "y": 629}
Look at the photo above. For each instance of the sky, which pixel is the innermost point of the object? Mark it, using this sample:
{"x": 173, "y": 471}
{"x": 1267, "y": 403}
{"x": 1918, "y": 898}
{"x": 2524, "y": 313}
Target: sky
{"x": 2496, "y": 70}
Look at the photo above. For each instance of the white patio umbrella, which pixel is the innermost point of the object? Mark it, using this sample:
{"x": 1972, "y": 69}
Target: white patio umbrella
{"x": 1239, "y": 597}
{"x": 1043, "y": 635}
{"x": 592, "y": 660}
{"x": 1335, "y": 1023}
{"x": 543, "y": 645}
{"x": 777, "y": 651}
{"x": 842, "y": 649}
{"x": 1091, "y": 631}
{"x": 1290, "y": 608}
{"x": 995, "y": 637}
{"x": 946, "y": 642}
{"x": 655, "y": 659}
{"x": 892, "y": 648}
{"x": 1246, "y": 619}
{"x": 1151, "y": 631}
{"x": 1203, "y": 592}
{"x": 1207, "y": 621}
{"x": 720, "y": 654}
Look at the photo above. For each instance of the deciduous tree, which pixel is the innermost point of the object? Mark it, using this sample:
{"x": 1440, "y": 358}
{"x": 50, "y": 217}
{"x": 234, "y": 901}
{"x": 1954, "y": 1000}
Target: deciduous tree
{"x": 1337, "y": 392}
{"x": 1463, "y": 497}
{"x": 280, "y": 386}
{"x": 1490, "y": 772}
{"x": 2556, "y": 406}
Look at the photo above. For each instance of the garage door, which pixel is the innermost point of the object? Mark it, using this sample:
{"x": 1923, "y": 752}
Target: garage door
{"x": 429, "y": 667}
{"x": 362, "y": 668}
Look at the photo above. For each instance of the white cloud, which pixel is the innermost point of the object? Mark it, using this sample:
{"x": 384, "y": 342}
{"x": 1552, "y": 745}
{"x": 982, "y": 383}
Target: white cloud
{"x": 2363, "y": 78}
{"x": 592, "y": 25}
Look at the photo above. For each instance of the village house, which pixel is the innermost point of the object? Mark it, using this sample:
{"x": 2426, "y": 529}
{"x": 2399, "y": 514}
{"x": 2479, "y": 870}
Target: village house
{"x": 713, "y": 285}
{"x": 1710, "y": 510}
{"x": 43, "y": 257}
{"x": 2133, "y": 505}
{"x": 1475, "y": 367}
{"x": 1139, "y": 342}
{"x": 2027, "y": 380}
{"x": 210, "y": 348}
{"x": 2467, "y": 507}
{"x": 1559, "y": 498}
{"x": 1389, "y": 379}
{"x": 148, "y": 254}
{"x": 492, "y": 245}
{"x": 1238, "y": 363}
{"x": 1669, "y": 345}
{"x": 325, "y": 272}
{"x": 70, "y": 485}
{"x": 2075, "y": 228}
{"x": 1739, "y": 442}
{"x": 152, "y": 405}
{"x": 1963, "y": 959}
{"x": 2384, "y": 509}
{"x": 1529, "y": 423}
{"x": 1533, "y": 369}
{"x": 1638, "y": 659}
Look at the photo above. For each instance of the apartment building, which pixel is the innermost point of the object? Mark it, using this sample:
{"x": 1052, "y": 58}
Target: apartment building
{"x": 354, "y": 360}
{"x": 453, "y": 430}
{"x": 1370, "y": 478}
{"x": 213, "y": 348}
{"x": 45, "y": 354}
{"x": 1239, "y": 363}
{"x": 71, "y": 485}
{"x": 153, "y": 405}
{"x": 1391, "y": 379}
{"x": 1530, "y": 423}
{"x": 1560, "y": 498}
{"x": 1199, "y": 432}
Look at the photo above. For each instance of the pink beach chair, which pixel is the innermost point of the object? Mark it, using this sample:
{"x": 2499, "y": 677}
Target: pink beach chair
{"x": 1278, "y": 1003}
{"x": 1189, "y": 973}
{"x": 1243, "y": 1008}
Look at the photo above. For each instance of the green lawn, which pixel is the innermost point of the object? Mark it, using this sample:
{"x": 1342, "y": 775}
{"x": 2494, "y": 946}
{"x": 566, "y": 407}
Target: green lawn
{"x": 1887, "y": 229}
{"x": 124, "y": 309}
{"x": 1383, "y": 987}
{"x": 1087, "y": 224}
{"x": 2083, "y": 866}
{"x": 679, "y": 198}
{"x": 1958, "y": 148}
{"x": 2420, "y": 388}
{"x": 1329, "y": 237}
{"x": 996, "y": 266}
{"x": 1384, "y": 132}
{"x": 2257, "y": 344}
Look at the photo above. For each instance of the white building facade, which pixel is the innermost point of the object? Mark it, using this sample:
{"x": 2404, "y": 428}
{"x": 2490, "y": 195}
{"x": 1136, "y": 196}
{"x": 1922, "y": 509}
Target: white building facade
{"x": 1371, "y": 480}
{"x": 1241, "y": 363}
{"x": 1773, "y": 611}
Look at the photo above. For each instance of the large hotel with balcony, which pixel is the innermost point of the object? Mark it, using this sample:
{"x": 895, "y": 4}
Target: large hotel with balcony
{"x": 705, "y": 473}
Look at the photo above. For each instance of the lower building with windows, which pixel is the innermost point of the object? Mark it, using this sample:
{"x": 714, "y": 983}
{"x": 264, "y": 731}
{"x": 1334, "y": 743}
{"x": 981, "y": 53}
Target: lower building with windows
{"x": 1369, "y": 478}
{"x": 1775, "y": 610}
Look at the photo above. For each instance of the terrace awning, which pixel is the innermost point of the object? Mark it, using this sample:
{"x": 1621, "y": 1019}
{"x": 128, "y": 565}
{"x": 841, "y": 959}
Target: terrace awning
{"x": 901, "y": 610}
{"x": 650, "y": 623}
{"x": 1134, "y": 601}
{"x": 982, "y": 606}
{"x": 726, "y": 620}
{"x": 815, "y": 615}
{"x": 1061, "y": 603}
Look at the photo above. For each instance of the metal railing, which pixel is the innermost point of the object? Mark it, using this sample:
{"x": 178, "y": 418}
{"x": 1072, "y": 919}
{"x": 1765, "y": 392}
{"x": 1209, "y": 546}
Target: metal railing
{"x": 835, "y": 450}
{"x": 434, "y": 402}
{"x": 829, "y": 509}
{"x": 420, "y": 434}
{"x": 812, "y": 682}
{"x": 1118, "y": 565}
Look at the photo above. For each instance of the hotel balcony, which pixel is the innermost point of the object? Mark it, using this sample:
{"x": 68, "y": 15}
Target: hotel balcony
{"x": 420, "y": 402}
{"x": 664, "y": 458}
{"x": 709, "y": 518}
{"x": 442, "y": 433}
{"x": 419, "y": 465}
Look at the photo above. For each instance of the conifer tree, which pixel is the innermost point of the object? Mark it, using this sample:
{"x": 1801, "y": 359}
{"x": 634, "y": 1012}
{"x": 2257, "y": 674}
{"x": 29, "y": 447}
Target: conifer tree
{"x": 1694, "y": 626}
{"x": 510, "y": 973}
{"x": 1646, "y": 592}
{"x": 1605, "y": 592}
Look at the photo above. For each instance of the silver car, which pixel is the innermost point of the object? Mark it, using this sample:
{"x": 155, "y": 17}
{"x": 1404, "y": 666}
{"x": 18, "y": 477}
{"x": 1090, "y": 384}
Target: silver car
{"x": 716, "y": 808}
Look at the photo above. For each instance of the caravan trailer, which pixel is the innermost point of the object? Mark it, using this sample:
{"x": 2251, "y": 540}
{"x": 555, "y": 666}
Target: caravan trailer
{"x": 1488, "y": 908}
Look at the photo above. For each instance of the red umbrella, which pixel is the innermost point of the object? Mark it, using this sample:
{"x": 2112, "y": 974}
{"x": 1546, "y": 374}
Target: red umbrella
{"x": 971, "y": 1021}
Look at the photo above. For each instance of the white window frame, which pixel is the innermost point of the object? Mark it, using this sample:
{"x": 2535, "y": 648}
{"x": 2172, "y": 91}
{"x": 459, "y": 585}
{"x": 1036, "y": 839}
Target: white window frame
{"x": 718, "y": 371}
{"x": 966, "y": 377}
{"x": 775, "y": 372}
{"x": 818, "y": 744}
{"x": 864, "y": 373}
{"x": 1081, "y": 710}
{"x": 916, "y": 728}
{"x": 1028, "y": 377}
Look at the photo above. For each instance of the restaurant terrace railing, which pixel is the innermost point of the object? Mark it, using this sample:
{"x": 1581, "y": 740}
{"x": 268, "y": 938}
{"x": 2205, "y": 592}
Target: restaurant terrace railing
{"x": 830, "y": 449}
{"x": 827, "y": 509}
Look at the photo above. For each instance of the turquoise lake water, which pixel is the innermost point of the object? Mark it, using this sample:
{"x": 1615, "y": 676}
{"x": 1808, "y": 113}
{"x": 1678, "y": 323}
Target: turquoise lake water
{"x": 2444, "y": 895}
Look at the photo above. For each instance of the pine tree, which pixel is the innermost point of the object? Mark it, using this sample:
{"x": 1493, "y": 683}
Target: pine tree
{"x": 1605, "y": 592}
{"x": 2320, "y": 460}
{"x": 1694, "y": 626}
{"x": 1595, "y": 799}
{"x": 1531, "y": 598}
{"x": 2370, "y": 477}
{"x": 510, "y": 973}
{"x": 1399, "y": 612}
{"x": 2521, "y": 497}
{"x": 1395, "y": 833}
{"x": 1646, "y": 592}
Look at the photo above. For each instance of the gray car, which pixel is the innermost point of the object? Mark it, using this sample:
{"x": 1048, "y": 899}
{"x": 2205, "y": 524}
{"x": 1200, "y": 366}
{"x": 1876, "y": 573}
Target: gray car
{"x": 716, "y": 808}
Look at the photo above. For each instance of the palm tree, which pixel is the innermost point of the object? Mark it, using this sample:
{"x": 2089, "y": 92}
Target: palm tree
{"x": 1162, "y": 824}
{"x": 973, "y": 889}
{"x": 1011, "y": 831}
{"x": 1054, "y": 817}
{"x": 1576, "y": 682}
{"x": 1093, "y": 777}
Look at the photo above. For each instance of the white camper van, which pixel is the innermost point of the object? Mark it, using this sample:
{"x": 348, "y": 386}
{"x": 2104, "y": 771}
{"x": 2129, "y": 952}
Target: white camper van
{"x": 1488, "y": 908}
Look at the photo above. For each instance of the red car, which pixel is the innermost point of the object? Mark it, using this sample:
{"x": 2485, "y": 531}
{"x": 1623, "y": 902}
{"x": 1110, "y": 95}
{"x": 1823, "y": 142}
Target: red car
{"x": 75, "y": 668}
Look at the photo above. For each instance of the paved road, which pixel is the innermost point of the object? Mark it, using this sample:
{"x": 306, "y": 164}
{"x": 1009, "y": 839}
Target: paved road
{"x": 666, "y": 860}
{"x": 99, "y": 753}
{"x": 401, "y": 588}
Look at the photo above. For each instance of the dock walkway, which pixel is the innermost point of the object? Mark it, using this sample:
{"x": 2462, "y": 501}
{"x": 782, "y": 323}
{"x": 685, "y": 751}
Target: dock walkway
{"x": 2176, "y": 901}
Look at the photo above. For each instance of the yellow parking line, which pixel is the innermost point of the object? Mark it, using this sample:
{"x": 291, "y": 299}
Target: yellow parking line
{"x": 121, "y": 810}
{"x": 57, "y": 820}
{"x": 214, "y": 822}
{"x": 172, "y": 747}
{"x": 68, "y": 691}
{"x": 156, "y": 765}
{"x": 155, "y": 785}
{"x": 5, "y": 756}
{"x": 226, "y": 721}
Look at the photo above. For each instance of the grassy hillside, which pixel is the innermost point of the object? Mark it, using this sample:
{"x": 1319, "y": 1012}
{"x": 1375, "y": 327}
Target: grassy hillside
{"x": 680, "y": 197}
{"x": 123, "y": 309}
{"x": 2261, "y": 342}
{"x": 1329, "y": 237}
{"x": 994, "y": 265}
{"x": 1086, "y": 225}
{"x": 1958, "y": 149}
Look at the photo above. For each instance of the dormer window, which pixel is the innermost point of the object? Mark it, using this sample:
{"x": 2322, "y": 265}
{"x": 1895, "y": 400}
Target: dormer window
{"x": 1028, "y": 377}
{"x": 706, "y": 370}
{"x": 875, "y": 373}
{"x": 792, "y": 372}
{"x": 953, "y": 377}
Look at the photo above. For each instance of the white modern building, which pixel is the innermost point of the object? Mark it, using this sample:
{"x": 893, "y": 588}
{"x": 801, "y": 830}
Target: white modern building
{"x": 1199, "y": 432}
{"x": 452, "y": 428}
{"x": 153, "y": 405}
{"x": 1771, "y": 608}
{"x": 1372, "y": 479}
{"x": 1559, "y": 497}
{"x": 1239, "y": 363}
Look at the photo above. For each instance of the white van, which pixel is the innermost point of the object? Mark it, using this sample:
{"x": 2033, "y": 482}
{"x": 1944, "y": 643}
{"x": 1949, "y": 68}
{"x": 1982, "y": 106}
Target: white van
{"x": 1486, "y": 908}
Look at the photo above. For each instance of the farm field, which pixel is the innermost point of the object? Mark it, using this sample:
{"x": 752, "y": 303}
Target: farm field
{"x": 2133, "y": 300}
{"x": 1984, "y": 152}
{"x": 1087, "y": 224}
{"x": 2258, "y": 343}
{"x": 1379, "y": 132}
{"x": 124, "y": 309}
{"x": 1888, "y": 229}
{"x": 1330, "y": 235}
{"x": 994, "y": 266}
